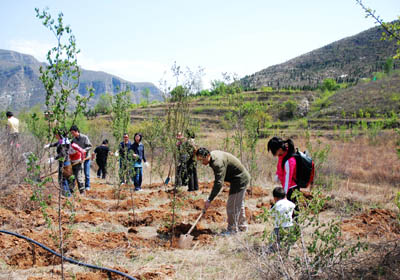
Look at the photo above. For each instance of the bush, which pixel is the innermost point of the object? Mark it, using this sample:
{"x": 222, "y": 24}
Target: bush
{"x": 288, "y": 110}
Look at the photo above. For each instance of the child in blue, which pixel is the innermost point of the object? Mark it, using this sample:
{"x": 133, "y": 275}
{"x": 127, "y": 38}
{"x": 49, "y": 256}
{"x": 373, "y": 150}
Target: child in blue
{"x": 137, "y": 149}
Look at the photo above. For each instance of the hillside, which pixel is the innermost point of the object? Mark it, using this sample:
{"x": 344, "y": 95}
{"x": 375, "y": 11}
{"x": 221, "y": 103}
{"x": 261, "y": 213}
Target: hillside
{"x": 20, "y": 86}
{"x": 345, "y": 60}
{"x": 367, "y": 100}
{"x": 374, "y": 98}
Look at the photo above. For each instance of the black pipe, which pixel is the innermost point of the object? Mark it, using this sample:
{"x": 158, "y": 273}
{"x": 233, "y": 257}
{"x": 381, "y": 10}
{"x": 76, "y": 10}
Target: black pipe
{"x": 108, "y": 270}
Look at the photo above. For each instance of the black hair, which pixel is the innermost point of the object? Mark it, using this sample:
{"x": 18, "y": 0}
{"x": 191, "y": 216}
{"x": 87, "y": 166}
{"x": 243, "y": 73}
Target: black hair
{"x": 275, "y": 143}
{"x": 105, "y": 141}
{"x": 74, "y": 128}
{"x": 137, "y": 133}
{"x": 9, "y": 114}
{"x": 202, "y": 152}
{"x": 279, "y": 192}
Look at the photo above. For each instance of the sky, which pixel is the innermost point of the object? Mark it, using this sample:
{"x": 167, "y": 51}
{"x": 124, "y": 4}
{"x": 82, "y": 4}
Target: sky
{"x": 139, "y": 41}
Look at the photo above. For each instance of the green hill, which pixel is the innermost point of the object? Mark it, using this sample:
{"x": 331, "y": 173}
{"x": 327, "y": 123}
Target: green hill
{"x": 346, "y": 60}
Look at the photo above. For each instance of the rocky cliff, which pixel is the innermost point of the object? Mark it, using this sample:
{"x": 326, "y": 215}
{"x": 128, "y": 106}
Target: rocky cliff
{"x": 21, "y": 88}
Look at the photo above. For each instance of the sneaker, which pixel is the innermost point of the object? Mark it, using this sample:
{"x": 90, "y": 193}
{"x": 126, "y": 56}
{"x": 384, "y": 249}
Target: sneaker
{"x": 138, "y": 189}
{"x": 88, "y": 188}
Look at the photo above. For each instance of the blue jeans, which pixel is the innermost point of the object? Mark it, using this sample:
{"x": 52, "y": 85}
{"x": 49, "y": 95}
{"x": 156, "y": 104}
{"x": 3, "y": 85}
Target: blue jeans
{"x": 137, "y": 178}
{"x": 86, "y": 170}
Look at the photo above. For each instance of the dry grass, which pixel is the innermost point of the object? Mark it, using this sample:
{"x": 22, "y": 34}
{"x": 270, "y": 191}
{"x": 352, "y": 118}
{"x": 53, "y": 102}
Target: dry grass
{"x": 365, "y": 176}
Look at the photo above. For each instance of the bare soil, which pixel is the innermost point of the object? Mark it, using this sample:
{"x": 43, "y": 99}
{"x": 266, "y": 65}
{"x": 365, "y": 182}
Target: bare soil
{"x": 107, "y": 221}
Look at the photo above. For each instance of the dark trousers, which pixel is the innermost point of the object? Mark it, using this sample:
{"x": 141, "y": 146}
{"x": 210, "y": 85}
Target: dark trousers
{"x": 293, "y": 199}
{"x": 102, "y": 171}
{"x": 193, "y": 184}
{"x": 137, "y": 178}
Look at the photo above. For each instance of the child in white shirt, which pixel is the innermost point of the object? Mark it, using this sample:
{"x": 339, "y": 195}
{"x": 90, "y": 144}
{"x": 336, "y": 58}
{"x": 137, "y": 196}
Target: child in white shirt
{"x": 282, "y": 212}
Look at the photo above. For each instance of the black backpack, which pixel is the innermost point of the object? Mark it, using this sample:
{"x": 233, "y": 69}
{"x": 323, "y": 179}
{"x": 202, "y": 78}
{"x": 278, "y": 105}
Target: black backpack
{"x": 304, "y": 169}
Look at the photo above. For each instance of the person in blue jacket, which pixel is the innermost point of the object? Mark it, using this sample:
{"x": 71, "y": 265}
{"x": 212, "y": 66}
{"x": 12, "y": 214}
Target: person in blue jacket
{"x": 137, "y": 150}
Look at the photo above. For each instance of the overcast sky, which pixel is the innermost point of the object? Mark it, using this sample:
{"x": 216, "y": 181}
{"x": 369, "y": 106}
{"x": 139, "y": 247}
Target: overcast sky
{"x": 140, "y": 40}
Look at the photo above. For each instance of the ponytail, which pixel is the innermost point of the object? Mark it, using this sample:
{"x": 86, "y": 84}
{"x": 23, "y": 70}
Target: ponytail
{"x": 289, "y": 147}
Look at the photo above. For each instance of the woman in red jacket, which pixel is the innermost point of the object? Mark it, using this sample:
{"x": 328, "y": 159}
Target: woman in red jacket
{"x": 286, "y": 168}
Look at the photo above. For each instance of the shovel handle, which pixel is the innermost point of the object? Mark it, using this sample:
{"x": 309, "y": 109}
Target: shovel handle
{"x": 54, "y": 172}
{"x": 195, "y": 223}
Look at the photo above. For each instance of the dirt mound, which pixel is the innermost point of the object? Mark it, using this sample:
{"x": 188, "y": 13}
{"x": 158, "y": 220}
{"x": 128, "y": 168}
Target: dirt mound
{"x": 93, "y": 218}
{"x": 183, "y": 228}
{"x": 255, "y": 191}
{"x": 20, "y": 253}
{"x": 127, "y": 204}
{"x": 20, "y": 198}
{"x": 214, "y": 216}
{"x": 374, "y": 224}
{"x": 156, "y": 273}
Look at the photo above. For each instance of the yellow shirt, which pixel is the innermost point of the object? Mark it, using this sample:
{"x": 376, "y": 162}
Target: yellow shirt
{"x": 13, "y": 124}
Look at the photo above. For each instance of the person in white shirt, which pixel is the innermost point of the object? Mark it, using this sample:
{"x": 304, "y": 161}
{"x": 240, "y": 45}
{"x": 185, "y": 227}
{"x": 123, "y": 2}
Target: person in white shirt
{"x": 13, "y": 128}
{"x": 282, "y": 212}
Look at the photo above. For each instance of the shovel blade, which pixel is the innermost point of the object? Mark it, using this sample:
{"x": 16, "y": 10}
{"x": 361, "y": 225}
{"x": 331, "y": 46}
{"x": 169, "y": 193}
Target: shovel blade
{"x": 185, "y": 241}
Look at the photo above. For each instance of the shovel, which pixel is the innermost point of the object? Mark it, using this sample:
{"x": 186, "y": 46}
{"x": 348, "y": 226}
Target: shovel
{"x": 185, "y": 240}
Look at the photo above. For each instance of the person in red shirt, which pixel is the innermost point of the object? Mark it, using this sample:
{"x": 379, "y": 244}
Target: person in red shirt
{"x": 286, "y": 167}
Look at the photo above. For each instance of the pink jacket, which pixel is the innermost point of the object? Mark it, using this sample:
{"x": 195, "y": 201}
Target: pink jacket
{"x": 76, "y": 153}
{"x": 287, "y": 175}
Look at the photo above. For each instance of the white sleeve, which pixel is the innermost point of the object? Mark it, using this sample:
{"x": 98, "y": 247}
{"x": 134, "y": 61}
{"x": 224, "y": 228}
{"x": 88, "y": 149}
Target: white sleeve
{"x": 287, "y": 173}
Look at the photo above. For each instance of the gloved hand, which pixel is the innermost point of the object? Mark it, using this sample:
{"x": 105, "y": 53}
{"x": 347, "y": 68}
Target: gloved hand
{"x": 50, "y": 160}
{"x": 116, "y": 154}
{"x": 46, "y": 146}
{"x": 146, "y": 164}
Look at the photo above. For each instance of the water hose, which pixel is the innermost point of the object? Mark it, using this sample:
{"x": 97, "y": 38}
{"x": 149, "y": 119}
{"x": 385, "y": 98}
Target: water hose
{"x": 108, "y": 270}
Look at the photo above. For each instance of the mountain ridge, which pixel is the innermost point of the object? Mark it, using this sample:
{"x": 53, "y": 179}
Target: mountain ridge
{"x": 345, "y": 60}
{"x": 21, "y": 88}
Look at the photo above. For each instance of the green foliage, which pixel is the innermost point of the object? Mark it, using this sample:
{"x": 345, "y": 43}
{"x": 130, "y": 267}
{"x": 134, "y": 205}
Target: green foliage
{"x": 320, "y": 244}
{"x": 60, "y": 78}
{"x": 154, "y": 136}
{"x": 398, "y": 142}
{"x": 266, "y": 89}
{"x": 146, "y": 94}
{"x": 388, "y": 67}
{"x": 397, "y": 202}
{"x": 329, "y": 85}
{"x": 120, "y": 115}
{"x": 322, "y": 101}
{"x": 61, "y": 75}
{"x": 35, "y": 122}
{"x": 288, "y": 109}
{"x": 104, "y": 105}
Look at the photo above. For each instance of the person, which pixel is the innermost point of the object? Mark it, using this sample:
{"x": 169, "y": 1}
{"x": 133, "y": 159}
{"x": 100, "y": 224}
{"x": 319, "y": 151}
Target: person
{"x": 193, "y": 183}
{"x": 83, "y": 141}
{"x": 101, "y": 152}
{"x": 227, "y": 168}
{"x": 186, "y": 169}
{"x": 124, "y": 169}
{"x": 286, "y": 167}
{"x": 69, "y": 155}
{"x": 13, "y": 128}
{"x": 282, "y": 212}
{"x": 63, "y": 146}
{"x": 138, "y": 158}
{"x": 181, "y": 175}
